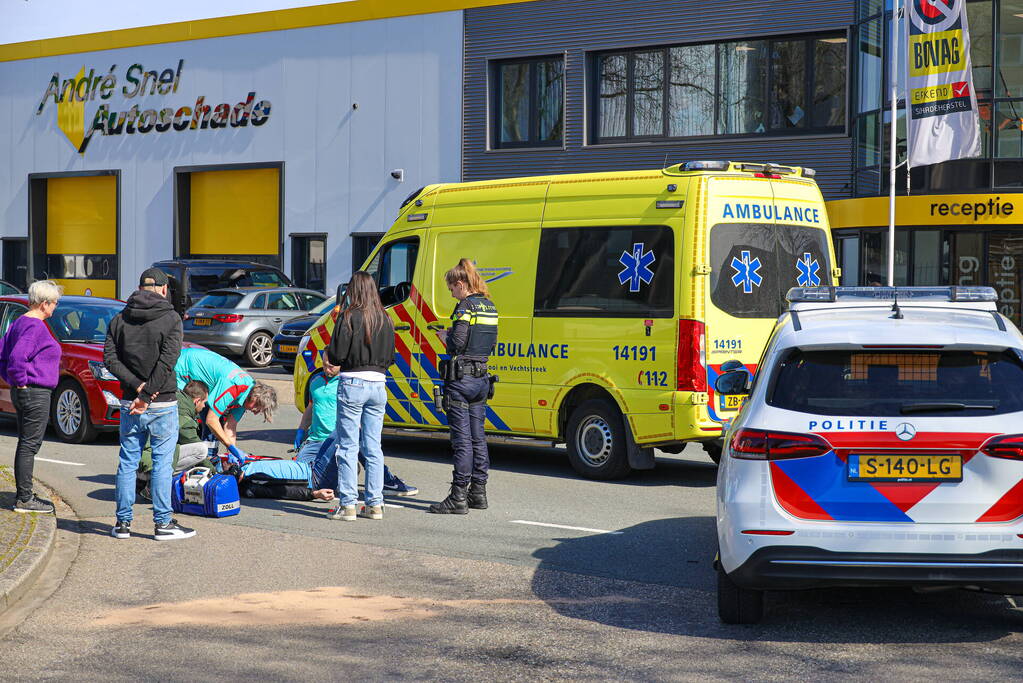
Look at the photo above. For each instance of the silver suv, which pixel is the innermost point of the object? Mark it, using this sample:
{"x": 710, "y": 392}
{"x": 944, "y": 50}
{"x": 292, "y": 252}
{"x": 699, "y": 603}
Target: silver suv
{"x": 242, "y": 321}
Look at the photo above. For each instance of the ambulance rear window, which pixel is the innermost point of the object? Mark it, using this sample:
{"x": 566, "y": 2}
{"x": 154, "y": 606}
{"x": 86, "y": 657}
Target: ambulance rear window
{"x": 619, "y": 272}
{"x": 899, "y": 383}
{"x": 755, "y": 264}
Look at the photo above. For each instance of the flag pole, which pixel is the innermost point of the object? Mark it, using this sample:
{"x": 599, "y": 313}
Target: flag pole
{"x": 896, "y": 8}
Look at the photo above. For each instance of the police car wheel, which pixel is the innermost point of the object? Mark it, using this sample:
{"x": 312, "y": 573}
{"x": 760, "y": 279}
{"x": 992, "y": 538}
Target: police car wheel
{"x": 737, "y": 605}
{"x": 69, "y": 413}
{"x": 596, "y": 441}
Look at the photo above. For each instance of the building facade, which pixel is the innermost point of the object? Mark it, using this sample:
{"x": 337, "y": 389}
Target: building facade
{"x": 293, "y": 141}
{"x": 291, "y": 147}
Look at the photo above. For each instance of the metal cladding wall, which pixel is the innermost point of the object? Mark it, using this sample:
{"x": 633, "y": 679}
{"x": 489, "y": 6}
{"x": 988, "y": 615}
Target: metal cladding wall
{"x": 576, "y": 28}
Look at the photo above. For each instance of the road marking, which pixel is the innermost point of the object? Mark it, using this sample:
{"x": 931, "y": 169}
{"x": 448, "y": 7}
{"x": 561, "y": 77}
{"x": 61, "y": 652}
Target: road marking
{"x": 562, "y": 526}
{"x": 62, "y": 462}
{"x": 392, "y": 505}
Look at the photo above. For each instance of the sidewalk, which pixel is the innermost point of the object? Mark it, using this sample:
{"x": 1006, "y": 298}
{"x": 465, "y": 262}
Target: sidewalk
{"x": 26, "y": 541}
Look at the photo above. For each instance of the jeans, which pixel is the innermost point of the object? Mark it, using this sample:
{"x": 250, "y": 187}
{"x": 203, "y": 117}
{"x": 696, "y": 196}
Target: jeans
{"x": 33, "y": 412}
{"x": 319, "y": 455}
{"x": 160, "y": 426}
{"x": 467, "y": 410}
{"x": 360, "y": 420}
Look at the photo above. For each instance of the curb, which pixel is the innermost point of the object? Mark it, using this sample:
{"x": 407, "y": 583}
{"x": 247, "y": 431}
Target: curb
{"x": 24, "y": 571}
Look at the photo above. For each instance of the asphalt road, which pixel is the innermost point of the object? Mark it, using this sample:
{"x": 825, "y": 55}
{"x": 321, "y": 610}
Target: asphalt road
{"x": 282, "y": 593}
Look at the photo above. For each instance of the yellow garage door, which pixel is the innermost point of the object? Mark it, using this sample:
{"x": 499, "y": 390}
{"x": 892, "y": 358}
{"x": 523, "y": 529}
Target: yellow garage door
{"x": 81, "y": 234}
{"x": 235, "y": 213}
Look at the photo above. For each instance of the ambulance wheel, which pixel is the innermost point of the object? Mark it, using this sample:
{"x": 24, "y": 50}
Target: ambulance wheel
{"x": 737, "y": 605}
{"x": 69, "y": 413}
{"x": 259, "y": 350}
{"x": 596, "y": 441}
{"x": 713, "y": 451}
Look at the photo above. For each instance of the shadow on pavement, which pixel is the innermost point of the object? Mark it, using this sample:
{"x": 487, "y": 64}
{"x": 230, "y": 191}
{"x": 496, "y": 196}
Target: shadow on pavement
{"x": 607, "y": 579}
{"x": 553, "y": 462}
{"x": 106, "y": 493}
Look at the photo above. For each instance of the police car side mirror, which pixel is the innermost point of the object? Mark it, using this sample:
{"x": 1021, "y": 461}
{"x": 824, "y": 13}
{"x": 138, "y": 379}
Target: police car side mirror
{"x": 733, "y": 382}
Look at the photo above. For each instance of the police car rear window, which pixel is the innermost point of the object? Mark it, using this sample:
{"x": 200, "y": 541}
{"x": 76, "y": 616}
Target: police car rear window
{"x": 882, "y": 383}
{"x": 755, "y": 264}
{"x": 620, "y": 272}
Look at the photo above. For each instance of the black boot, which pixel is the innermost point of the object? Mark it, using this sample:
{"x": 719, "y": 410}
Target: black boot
{"x": 477, "y": 495}
{"x": 454, "y": 504}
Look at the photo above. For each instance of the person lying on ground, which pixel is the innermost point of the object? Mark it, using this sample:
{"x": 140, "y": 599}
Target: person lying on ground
{"x": 283, "y": 479}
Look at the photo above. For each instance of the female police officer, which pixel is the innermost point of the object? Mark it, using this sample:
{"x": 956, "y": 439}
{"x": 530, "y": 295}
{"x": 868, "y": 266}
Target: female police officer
{"x": 467, "y": 386}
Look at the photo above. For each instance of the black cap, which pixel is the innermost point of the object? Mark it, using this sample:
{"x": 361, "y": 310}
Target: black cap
{"x": 153, "y": 277}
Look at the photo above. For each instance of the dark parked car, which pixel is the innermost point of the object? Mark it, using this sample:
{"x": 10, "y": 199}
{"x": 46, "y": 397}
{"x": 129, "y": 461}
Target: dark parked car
{"x": 190, "y": 279}
{"x": 285, "y": 346}
{"x": 244, "y": 320}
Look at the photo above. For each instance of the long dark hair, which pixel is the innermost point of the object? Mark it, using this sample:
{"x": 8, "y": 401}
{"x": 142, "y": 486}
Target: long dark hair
{"x": 362, "y": 296}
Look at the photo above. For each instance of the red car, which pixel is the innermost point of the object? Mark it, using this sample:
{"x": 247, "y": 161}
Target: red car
{"x": 87, "y": 397}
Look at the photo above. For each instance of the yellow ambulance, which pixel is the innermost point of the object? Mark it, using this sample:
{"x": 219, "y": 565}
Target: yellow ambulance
{"x": 620, "y": 296}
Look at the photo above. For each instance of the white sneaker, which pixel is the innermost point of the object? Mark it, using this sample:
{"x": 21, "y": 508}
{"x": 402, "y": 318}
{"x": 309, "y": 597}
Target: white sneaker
{"x": 172, "y": 531}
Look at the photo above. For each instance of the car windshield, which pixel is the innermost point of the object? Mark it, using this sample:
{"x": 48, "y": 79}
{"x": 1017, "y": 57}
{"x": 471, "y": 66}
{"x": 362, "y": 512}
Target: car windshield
{"x": 890, "y": 383}
{"x": 220, "y": 300}
{"x": 83, "y": 321}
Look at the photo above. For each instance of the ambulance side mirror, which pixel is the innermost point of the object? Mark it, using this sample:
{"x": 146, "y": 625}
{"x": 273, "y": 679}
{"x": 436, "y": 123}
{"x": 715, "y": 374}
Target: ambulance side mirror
{"x": 733, "y": 382}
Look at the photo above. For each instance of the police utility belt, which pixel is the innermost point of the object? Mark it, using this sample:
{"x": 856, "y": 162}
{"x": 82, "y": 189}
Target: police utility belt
{"x": 455, "y": 368}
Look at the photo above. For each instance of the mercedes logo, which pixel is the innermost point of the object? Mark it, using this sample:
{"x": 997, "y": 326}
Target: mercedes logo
{"x": 905, "y": 431}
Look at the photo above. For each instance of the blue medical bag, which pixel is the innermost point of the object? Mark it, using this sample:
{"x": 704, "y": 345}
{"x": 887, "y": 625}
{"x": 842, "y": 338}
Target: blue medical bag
{"x": 200, "y": 491}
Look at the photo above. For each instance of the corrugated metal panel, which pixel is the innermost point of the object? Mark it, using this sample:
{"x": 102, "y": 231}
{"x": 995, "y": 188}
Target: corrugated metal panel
{"x": 577, "y": 27}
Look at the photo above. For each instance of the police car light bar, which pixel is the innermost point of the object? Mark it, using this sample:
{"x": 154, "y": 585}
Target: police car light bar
{"x": 879, "y": 294}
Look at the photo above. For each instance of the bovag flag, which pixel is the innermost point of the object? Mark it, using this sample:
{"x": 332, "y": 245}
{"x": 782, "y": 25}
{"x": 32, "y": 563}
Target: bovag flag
{"x": 943, "y": 117}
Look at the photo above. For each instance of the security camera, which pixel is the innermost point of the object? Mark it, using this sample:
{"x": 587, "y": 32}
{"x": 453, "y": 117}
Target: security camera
{"x": 398, "y": 174}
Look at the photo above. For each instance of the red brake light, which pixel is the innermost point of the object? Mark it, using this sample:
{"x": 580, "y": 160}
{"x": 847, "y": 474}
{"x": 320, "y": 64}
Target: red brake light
{"x": 773, "y": 176}
{"x": 1008, "y": 446}
{"x": 758, "y": 444}
{"x": 228, "y": 317}
{"x": 691, "y": 369}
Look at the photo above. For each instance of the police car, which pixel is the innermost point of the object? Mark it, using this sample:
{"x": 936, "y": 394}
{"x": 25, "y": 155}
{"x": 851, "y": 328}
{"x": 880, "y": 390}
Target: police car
{"x": 879, "y": 445}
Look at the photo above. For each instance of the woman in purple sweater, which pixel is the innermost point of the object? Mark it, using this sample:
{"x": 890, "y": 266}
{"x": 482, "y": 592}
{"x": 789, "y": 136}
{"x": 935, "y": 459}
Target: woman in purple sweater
{"x": 30, "y": 364}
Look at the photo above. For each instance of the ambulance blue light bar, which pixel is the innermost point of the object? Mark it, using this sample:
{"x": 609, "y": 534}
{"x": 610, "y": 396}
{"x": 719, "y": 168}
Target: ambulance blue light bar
{"x": 705, "y": 166}
{"x": 869, "y": 294}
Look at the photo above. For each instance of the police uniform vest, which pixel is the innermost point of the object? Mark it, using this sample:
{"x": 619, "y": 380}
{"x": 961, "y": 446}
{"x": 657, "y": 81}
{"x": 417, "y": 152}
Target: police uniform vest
{"x": 481, "y": 314}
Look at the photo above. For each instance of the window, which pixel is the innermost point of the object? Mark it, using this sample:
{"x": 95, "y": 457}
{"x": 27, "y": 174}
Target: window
{"x": 309, "y": 301}
{"x": 363, "y": 245}
{"x": 606, "y": 272}
{"x": 11, "y": 313}
{"x": 282, "y": 301}
{"x": 529, "y": 96}
{"x": 309, "y": 261}
{"x": 220, "y": 300}
{"x": 204, "y": 278}
{"x": 755, "y": 264}
{"x": 259, "y": 302}
{"x": 896, "y": 384}
{"x": 748, "y": 87}
{"x": 82, "y": 321}
{"x": 393, "y": 268}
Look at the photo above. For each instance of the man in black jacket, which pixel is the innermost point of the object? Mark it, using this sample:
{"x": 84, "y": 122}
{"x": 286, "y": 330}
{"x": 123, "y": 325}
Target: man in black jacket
{"x": 143, "y": 342}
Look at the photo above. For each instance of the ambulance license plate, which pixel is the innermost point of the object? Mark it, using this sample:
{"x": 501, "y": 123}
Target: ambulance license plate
{"x": 201, "y": 322}
{"x": 732, "y": 401}
{"x": 906, "y": 468}
{"x": 287, "y": 348}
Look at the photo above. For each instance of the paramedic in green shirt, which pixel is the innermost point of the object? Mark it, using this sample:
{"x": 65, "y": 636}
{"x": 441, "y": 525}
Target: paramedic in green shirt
{"x": 316, "y": 430}
{"x": 232, "y": 392}
{"x": 190, "y": 450}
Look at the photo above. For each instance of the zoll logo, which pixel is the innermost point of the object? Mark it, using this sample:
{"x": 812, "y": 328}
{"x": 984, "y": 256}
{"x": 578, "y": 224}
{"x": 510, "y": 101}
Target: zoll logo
{"x": 905, "y": 431}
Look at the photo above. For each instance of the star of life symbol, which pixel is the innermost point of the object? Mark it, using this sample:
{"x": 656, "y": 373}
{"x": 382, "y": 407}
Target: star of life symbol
{"x": 905, "y": 431}
{"x": 808, "y": 269}
{"x": 747, "y": 272}
{"x": 637, "y": 267}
